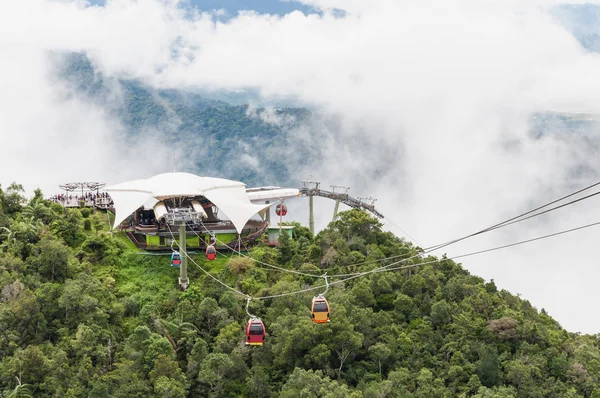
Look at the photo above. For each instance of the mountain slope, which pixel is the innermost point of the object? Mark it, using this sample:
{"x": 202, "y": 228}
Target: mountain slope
{"x": 85, "y": 316}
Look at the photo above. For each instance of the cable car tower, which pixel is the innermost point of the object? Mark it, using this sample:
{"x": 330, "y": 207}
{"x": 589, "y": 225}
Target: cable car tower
{"x": 311, "y": 188}
{"x": 343, "y": 194}
{"x": 182, "y": 217}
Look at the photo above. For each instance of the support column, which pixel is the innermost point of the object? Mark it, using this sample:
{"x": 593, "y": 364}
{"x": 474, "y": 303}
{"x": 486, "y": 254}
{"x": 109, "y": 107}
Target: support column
{"x": 268, "y": 214}
{"x": 183, "y": 278}
{"x": 335, "y": 209}
{"x": 311, "y": 217}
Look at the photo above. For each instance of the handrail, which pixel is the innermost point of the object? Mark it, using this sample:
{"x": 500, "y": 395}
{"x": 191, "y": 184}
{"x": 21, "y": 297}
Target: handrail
{"x": 342, "y": 197}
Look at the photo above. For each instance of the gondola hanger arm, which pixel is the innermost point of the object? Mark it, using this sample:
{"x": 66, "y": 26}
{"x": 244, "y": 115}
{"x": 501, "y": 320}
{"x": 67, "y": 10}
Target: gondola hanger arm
{"x": 248, "y": 298}
{"x": 326, "y": 284}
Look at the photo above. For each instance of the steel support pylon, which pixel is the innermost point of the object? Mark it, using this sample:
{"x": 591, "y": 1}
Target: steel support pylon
{"x": 184, "y": 282}
{"x": 268, "y": 214}
{"x": 311, "y": 219}
{"x": 335, "y": 209}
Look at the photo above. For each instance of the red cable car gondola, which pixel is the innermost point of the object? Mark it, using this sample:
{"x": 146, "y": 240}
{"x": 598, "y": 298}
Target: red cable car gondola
{"x": 211, "y": 253}
{"x": 255, "y": 332}
{"x": 281, "y": 209}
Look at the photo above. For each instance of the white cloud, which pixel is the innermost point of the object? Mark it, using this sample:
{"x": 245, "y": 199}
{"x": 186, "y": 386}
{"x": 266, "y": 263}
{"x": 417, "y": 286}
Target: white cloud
{"x": 433, "y": 98}
{"x": 51, "y": 135}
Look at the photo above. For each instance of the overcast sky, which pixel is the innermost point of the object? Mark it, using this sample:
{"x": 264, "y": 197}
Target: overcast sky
{"x": 435, "y": 100}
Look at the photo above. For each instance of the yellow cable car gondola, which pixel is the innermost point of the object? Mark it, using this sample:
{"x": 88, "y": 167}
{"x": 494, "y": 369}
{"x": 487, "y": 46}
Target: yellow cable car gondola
{"x": 320, "y": 309}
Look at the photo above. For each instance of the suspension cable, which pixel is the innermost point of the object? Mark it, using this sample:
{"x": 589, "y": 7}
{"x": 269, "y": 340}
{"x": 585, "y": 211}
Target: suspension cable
{"x": 430, "y": 249}
{"x": 427, "y": 250}
{"x": 377, "y": 270}
{"x": 520, "y": 216}
{"x": 493, "y": 227}
{"x": 401, "y": 230}
{"x": 258, "y": 261}
{"x": 205, "y": 271}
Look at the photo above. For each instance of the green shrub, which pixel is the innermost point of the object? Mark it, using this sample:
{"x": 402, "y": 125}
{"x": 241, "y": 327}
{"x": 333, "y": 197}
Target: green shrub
{"x": 239, "y": 265}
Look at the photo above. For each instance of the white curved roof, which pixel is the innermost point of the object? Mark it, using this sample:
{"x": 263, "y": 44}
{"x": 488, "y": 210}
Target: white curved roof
{"x": 262, "y": 194}
{"x": 229, "y": 196}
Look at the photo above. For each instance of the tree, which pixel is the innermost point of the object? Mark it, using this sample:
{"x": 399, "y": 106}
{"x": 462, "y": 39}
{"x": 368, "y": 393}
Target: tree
{"x": 239, "y": 265}
{"x": 503, "y": 328}
{"x": 78, "y": 300}
{"x": 307, "y": 383}
{"x": 518, "y": 373}
{"x": 166, "y": 373}
{"x": 344, "y": 340}
{"x": 357, "y": 222}
{"x": 363, "y": 295}
{"x": 144, "y": 347}
{"x": 441, "y": 313}
{"x": 12, "y": 200}
{"x": 28, "y": 366}
{"x": 286, "y": 247}
{"x": 214, "y": 371}
{"x": 68, "y": 227}
{"x": 195, "y": 357}
{"x": 36, "y": 210}
{"x": 21, "y": 321}
{"x": 488, "y": 366}
{"x": 229, "y": 337}
{"x": 176, "y": 330}
{"x": 51, "y": 259}
{"x": 258, "y": 382}
{"x": 98, "y": 223}
{"x": 20, "y": 391}
{"x": 380, "y": 353}
{"x": 169, "y": 388}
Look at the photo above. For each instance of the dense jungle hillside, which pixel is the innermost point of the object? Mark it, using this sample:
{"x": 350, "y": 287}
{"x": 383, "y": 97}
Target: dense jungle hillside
{"x": 85, "y": 314}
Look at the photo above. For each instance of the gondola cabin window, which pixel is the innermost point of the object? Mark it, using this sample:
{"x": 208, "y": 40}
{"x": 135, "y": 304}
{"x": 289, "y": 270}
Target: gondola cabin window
{"x": 256, "y": 328}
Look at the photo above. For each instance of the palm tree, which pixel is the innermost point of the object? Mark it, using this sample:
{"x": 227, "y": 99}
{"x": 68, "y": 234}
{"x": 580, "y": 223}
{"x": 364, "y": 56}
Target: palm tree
{"x": 10, "y": 237}
{"x": 174, "y": 330}
{"x": 20, "y": 391}
{"x": 37, "y": 210}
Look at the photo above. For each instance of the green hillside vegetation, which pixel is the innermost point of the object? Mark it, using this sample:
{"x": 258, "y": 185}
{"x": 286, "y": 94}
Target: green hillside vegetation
{"x": 84, "y": 314}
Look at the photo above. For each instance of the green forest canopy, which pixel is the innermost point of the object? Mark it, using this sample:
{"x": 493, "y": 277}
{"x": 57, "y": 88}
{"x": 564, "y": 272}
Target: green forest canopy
{"x": 84, "y": 314}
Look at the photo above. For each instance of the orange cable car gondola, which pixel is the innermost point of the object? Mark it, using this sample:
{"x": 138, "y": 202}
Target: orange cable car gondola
{"x": 255, "y": 332}
{"x": 320, "y": 309}
{"x": 281, "y": 209}
{"x": 211, "y": 253}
